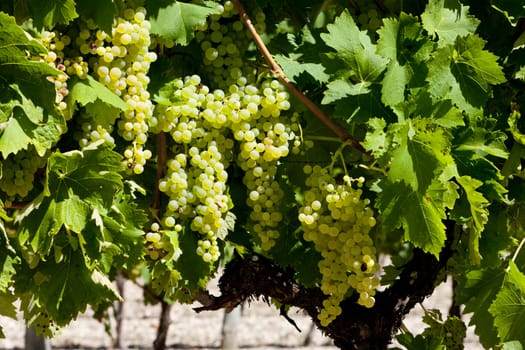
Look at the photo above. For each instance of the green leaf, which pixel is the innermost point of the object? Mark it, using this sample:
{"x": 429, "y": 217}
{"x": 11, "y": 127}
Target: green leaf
{"x": 341, "y": 88}
{"x": 89, "y": 90}
{"x": 100, "y": 11}
{"x": 375, "y": 140}
{"x": 92, "y": 174}
{"x": 293, "y": 67}
{"x": 17, "y": 134}
{"x": 474, "y": 214}
{"x": 7, "y": 263}
{"x": 15, "y": 66}
{"x": 7, "y": 304}
{"x": 418, "y": 154}
{"x": 74, "y": 213}
{"x": 178, "y": 20}
{"x": 480, "y": 142}
{"x": 102, "y": 105}
{"x": 448, "y": 19}
{"x": 401, "y": 41}
{"x": 464, "y": 73}
{"x": 77, "y": 184}
{"x": 65, "y": 289}
{"x": 477, "y": 289}
{"x": 512, "y": 345}
{"x": 51, "y": 12}
{"x": 26, "y": 124}
{"x": 514, "y": 121}
{"x": 418, "y": 214}
{"x": 508, "y": 309}
{"x": 355, "y": 49}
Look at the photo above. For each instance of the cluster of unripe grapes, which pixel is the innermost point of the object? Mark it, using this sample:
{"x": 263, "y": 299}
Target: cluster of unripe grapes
{"x": 18, "y": 173}
{"x": 204, "y": 127}
{"x": 338, "y": 221}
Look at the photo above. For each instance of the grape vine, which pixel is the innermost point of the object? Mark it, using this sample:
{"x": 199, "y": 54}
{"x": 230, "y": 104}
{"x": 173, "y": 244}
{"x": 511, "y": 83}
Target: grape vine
{"x": 294, "y": 143}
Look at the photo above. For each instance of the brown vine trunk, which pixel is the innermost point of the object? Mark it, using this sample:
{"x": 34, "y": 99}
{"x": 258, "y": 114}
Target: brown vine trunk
{"x": 164, "y": 324}
{"x": 119, "y": 313}
{"x": 357, "y": 327}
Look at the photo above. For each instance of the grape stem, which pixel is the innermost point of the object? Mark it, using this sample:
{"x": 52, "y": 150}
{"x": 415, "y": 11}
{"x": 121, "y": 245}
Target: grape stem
{"x": 276, "y": 69}
{"x": 517, "y": 252}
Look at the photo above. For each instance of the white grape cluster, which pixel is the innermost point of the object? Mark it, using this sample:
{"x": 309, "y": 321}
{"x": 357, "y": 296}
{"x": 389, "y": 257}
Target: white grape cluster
{"x": 18, "y": 173}
{"x": 204, "y": 126}
{"x": 338, "y": 221}
{"x": 123, "y": 63}
{"x": 195, "y": 178}
{"x": 224, "y": 41}
{"x": 56, "y": 44}
{"x": 264, "y": 132}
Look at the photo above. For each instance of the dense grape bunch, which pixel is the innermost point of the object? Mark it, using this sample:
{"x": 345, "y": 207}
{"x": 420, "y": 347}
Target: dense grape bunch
{"x": 18, "y": 173}
{"x": 224, "y": 40}
{"x": 123, "y": 63}
{"x": 338, "y": 221}
{"x": 265, "y": 131}
{"x": 195, "y": 176}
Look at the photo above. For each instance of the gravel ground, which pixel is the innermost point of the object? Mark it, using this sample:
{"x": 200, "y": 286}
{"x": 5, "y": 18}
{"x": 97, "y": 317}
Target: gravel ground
{"x": 261, "y": 327}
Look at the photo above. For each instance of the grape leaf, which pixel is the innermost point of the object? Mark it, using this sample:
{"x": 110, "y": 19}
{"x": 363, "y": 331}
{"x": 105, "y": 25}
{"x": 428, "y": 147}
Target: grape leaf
{"x": 418, "y": 155}
{"x": 512, "y": 345}
{"x": 86, "y": 91}
{"x": 355, "y": 49}
{"x": 178, "y": 20}
{"x": 92, "y": 174}
{"x": 402, "y": 42}
{"x": 448, "y": 19}
{"x": 65, "y": 289}
{"x": 508, "y": 309}
{"x": 480, "y": 142}
{"x": 194, "y": 271}
{"x": 7, "y": 307}
{"x": 27, "y": 124}
{"x": 101, "y": 103}
{"x": 293, "y": 67}
{"x": 7, "y": 262}
{"x": 51, "y": 12}
{"x": 77, "y": 183}
{"x": 17, "y": 134}
{"x": 464, "y": 72}
{"x": 418, "y": 214}
{"x": 15, "y": 66}
{"x": 375, "y": 140}
{"x": 100, "y": 11}
{"x": 473, "y": 210}
{"x": 341, "y": 88}
{"x": 477, "y": 289}
{"x": 514, "y": 122}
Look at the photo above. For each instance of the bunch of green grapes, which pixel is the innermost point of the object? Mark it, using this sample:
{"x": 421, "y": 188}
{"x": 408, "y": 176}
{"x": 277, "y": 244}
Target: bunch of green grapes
{"x": 224, "y": 40}
{"x": 337, "y": 220}
{"x": 367, "y": 15}
{"x": 195, "y": 178}
{"x": 122, "y": 65}
{"x": 265, "y": 132}
{"x": 59, "y": 57}
{"x": 255, "y": 112}
{"x": 18, "y": 173}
